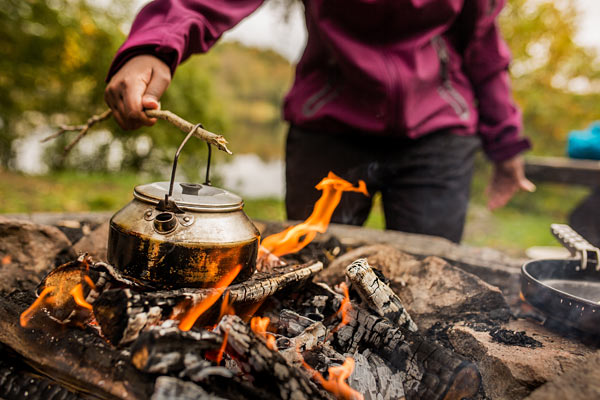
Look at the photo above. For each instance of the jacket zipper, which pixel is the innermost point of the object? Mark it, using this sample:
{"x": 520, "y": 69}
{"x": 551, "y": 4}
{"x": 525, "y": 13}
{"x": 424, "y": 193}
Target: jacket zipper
{"x": 395, "y": 88}
{"x": 446, "y": 90}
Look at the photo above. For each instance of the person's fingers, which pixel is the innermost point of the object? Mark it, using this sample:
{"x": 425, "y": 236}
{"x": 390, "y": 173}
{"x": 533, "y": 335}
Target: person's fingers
{"x": 132, "y": 100}
{"x": 527, "y": 185}
{"x": 159, "y": 81}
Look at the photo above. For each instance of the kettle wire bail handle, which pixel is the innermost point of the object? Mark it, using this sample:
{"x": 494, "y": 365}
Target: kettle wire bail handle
{"x": 207, "y": 180}
{"x": 176, "y": 158}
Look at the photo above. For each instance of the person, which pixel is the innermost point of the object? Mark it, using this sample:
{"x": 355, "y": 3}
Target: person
{"x": 398, "y": 93}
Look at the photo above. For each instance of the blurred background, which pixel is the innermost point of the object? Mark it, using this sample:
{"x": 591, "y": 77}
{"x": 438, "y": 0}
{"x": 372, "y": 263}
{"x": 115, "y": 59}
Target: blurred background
{"x": 54, "y": 56}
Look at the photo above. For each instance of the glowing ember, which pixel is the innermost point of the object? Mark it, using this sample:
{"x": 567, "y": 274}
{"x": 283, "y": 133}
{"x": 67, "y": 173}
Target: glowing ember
{"x": 190, "y": 317}
{"x": 344, "y": 309}
{"x": 7, "y": 259}
{"x": 77, "y": 293}
{"x": 259, "y": 326}
{"x": 37, "y": 304}
{"x": 336, "y": 383}
{"x": 296, "y": 237}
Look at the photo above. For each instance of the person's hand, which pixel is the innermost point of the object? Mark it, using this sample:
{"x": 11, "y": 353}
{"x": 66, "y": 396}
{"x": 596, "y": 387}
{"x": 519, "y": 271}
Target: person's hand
{"x": 137, "y": 85}
{"x": 508, "y": 179}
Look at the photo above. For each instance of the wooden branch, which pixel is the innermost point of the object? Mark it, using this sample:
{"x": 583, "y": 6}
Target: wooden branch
{"x": 83, "y": 129}
{"x": 123, "y": 313}
{"x": 268, "y": 368}
{"x": 378, "y": 295}
{"x": 218, "y": 141}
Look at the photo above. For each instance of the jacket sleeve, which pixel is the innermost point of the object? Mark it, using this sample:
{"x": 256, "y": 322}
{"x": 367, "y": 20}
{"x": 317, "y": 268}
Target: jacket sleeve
{"x": 175, "y": 29}
{"x": 486, "y": 60}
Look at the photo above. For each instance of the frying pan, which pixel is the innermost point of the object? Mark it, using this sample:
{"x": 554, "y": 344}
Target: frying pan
{"x": 566, "y": 290}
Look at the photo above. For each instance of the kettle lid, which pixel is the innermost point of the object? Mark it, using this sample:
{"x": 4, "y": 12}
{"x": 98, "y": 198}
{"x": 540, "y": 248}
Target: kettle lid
{"x": 190, "y": 196}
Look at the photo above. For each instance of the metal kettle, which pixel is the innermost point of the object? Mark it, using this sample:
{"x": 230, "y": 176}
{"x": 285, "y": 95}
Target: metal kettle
{"x": 176, "y": 234}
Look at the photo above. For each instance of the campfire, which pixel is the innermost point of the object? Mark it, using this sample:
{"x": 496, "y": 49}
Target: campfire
{"x": 317, "y": 319}
{"x": 278, "y": 334}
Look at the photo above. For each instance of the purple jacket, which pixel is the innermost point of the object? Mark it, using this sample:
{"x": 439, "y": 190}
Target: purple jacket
{"x": 387, "y": 67}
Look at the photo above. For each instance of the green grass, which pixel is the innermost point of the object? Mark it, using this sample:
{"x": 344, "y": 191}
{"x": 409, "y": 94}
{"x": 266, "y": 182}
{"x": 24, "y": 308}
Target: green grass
{"x": 523, "y": 223}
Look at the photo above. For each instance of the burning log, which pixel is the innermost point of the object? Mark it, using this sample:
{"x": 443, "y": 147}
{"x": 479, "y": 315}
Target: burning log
{"x": 78, "y": 358}
{"x": 269, "y": 370}
{"x": 378, "y": 295}
{"x": 427, "y": 369}
{"x": 162, "y": 350}
{"x": 123, "y": 314}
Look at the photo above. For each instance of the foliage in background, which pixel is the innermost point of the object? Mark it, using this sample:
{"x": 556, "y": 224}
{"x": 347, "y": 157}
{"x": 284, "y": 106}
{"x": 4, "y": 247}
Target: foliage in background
{"x": 52, "y": 62}
{"x": 55, "y": 53}
{"x": 556, "y": 82}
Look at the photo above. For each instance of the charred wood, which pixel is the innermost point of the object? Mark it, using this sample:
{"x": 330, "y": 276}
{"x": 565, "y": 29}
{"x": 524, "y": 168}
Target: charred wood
{"x": 78, "y": 359}
{"x": 378, "y": 295}
{"x": 163, "y": 350}
{"x": 124, "y": 313}
{"x": 374, "y": 378}
{"x": 170, "y": 388}
{"x": 18, "y": 382}
{"x": 428, "y": 370}
{"x": 269, "y": 370}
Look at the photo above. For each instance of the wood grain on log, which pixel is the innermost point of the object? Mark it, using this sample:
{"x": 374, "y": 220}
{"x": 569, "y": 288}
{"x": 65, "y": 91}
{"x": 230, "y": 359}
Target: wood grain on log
{"x": 378, "y": 295}
{"x": 267, "y": 367}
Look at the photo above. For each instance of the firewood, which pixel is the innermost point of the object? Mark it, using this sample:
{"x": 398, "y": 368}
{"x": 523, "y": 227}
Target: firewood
{"x": 20, "y": 383}
{"x": 378, "y": 295}
{"x": 78, "y": 358}
{"x": 375, "y": 378}
{"x": 268, "y": 368}
{"x": 170, "y": 388}
{"x": 163, "y": 350}
{"x": 123, "y": 314}
{"x": 428, "y": 370}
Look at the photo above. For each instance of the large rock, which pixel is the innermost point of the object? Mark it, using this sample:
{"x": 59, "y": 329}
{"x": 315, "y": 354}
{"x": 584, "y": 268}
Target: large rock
{"x": 28, "y": 251}
{"x": 578, "y": 383}
{"x": 512, "y": 372}
{"x": 431, "y": 289}
{"x": 95, "y": 244}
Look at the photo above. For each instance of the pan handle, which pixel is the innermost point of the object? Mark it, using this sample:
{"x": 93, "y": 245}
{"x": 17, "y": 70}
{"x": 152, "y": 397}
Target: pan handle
{"x": 576, "y": 244}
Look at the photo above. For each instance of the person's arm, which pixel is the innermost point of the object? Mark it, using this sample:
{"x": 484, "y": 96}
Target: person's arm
{"x": 164, "y": 34}
{"x": 486, "y": 60}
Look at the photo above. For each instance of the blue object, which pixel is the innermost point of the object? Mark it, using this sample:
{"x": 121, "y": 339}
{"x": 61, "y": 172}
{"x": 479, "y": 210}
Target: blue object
{"x": 586, "y": 143}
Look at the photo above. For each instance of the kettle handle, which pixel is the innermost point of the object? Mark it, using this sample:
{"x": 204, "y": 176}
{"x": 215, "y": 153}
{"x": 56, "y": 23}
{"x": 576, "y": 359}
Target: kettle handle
{"x": 176, "y": 158}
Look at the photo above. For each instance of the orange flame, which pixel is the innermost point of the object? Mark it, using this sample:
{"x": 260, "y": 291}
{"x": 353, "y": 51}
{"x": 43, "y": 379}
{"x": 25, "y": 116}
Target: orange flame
{"x": 190, "y": 317}
{"x": 77, "y": 293}
{"x": 296, "y": 237}
{"x": 259, "y": 326}
{"x": 344, "y": 309}
{"x": 7, "y": 259}
{"x": 33, "y": 308}
{"x": 222, "y": 349}
{"x": 336, "y": 383}
{"x": 90, "y": 282}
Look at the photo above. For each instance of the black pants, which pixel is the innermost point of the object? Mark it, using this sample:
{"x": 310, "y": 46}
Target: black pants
{"x": 424, "y": 183}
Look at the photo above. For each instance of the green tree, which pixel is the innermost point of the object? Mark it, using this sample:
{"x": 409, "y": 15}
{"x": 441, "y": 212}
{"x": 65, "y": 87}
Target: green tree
{"x": 556, "y": 81}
